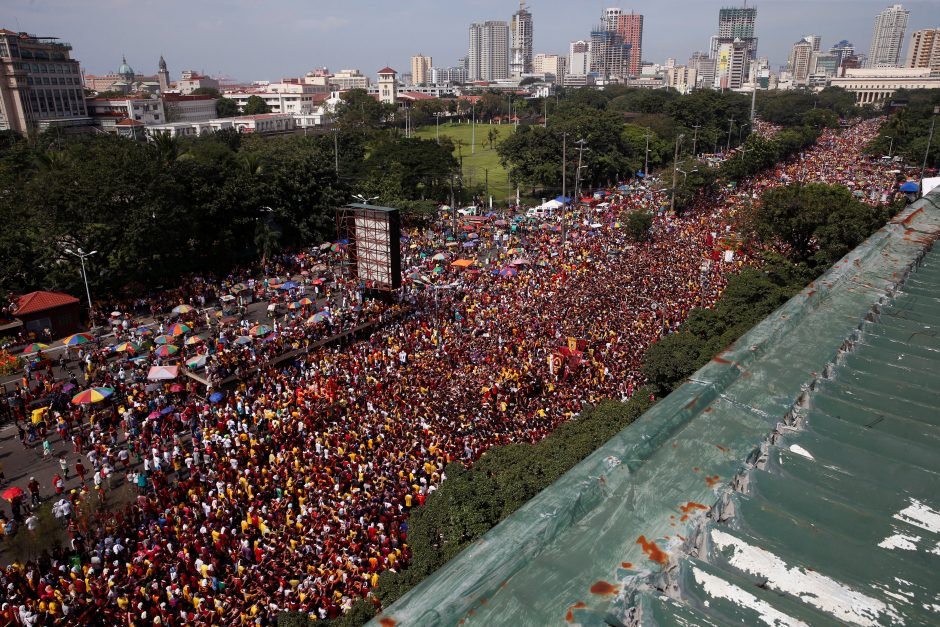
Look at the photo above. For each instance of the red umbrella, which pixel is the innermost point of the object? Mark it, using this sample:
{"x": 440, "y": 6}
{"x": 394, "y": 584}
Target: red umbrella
{"x": 12, "y": 493}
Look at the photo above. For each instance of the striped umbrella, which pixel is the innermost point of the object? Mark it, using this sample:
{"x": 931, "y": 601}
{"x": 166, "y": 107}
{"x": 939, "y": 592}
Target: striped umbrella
{"x": 166, "y": 350}
{"x": 183, "y": 309}
{"x": 127, "y": 347}
{"x": 243, "y": 339}
{"x": 195, "y": 339}
{"x": 78, "y": 338}
{"x": 196, "y": 362}
{"x": 163, "y": 339}
{"x": 92, "y": 395}
{"x": 35, "y": 347}
{"x": 306, "y": 302}
{"x": 178, "y": 329}
{"x": 295, "y": 305}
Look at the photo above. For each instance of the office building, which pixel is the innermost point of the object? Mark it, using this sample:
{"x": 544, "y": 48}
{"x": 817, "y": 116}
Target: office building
{"x": 488, "y": 56}
{"x": 681, "y": 78}
{"x": 349, "y": 79}
{"x": 294, "y": 97}
{"x": 824, "y": 64}
{"x": 610, "y": 56}
{"x": 704, "y": 67}
{"x": 731, "y": 65}
{"x": 521, "y": 52}
{"x": 127, "y": 115}
{"x": 887, "y": 36}
{"x": 579, "y": 58}
{"x": 179, "y": 108}
{"x": 191, "y": 80}
{"x": 875, "y": 86}
{"x": 798, "y": 63}
{"x": 843, "y": 50}
{"x": 814, "y": 40}
{"x": 448, "y": 75}
{"x": 421, "y": 69}
{"x": 630, "y": 28}
{"x": 40, "y": 84}
{"x": 736, "y": 23}
{"x": 551, "y": 65}
{"x": 924, "y": 50}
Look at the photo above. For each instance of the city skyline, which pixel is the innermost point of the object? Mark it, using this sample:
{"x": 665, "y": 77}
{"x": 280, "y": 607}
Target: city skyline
{"x": 206, "y": 41}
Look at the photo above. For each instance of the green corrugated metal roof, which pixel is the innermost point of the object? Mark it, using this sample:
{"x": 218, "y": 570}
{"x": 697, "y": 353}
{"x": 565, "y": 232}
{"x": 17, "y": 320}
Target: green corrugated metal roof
{"x": 792, "y": 480}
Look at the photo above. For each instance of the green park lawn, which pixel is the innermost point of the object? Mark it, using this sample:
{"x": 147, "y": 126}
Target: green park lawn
{"x": 483, "y": 159}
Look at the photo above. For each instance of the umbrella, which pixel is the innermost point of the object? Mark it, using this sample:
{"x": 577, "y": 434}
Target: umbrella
{"x": 910, "y": 186}
{"x": 13, "y": 492}
{"x": 243, "y": 339}
{"x": 176, "y": 387}
{"x": 289, "y": 285}
{"x": 78, "y": 338}
{"x": 260, "y": 330}
{"x": 325, "y": 246}
{"x": 127, "y": 347}
{"x": 178, "y": 329}
{"x": 92, "y": 395}
{"x": 305, "y": 301}
{"x": 196, "y": 362}
{"x": 320, "y": 316}
{"x": 473, "y": 236}
{"x": 166, "y": 350}
{"x": 508, "y": 271}
{"x": 183, "y": 309}
{"x": 439, "y": 257}
{"x": 500, "y": 223}
{"x": 520, "y": 262}
{"x": 35, "y": 347}
{"x": 239, "y": 287}
{"x": 115, "y": 314}
{"x": 469, "y": 244}
{"x": 336, "y": 247}
{"x": 195, "y": 339}
{"x": 294, "y": 305}
{"x": 160, "y": 373}
{"x": 163, "y": 339}
{"x": 215, "y": 397}
{"x": 144, "y": 331}
{"x": 437, "y": 270}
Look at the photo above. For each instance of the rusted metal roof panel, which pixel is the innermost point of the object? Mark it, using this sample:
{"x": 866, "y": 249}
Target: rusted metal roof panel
{"x": 792, "y": 481}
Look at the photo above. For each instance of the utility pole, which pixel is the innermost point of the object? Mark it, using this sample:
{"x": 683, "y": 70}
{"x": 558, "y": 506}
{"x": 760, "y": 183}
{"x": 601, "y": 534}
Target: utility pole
{"x": 545, "y": 117}
{"x": 730, "y": 126}
{"x": 695, "y": 137}
{"x": 675, "y": 172}
{"x": 453, "y": 206}
{"x": 81, "y": 254}
{"x": 646, "y": 158}
{"x": 890, "y": 146}
{"x": 923, "y": 166}
{"x": 577, "y": 184}
{"x": 486, "y": 173}
{"x": 564, "y": 163}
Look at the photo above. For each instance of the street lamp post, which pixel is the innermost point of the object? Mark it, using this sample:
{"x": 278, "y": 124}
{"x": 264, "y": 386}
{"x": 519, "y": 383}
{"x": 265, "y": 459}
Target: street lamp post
{"x": 675, "y": 173}
{"x": 81, "y": 254}
{"x": 646, "y": 159}
{"x": 890, "y": 145}
{"x": 730, "y": 126}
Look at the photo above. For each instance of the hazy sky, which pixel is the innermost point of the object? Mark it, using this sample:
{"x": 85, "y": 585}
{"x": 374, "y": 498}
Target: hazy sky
{"x": 267, "y": 40}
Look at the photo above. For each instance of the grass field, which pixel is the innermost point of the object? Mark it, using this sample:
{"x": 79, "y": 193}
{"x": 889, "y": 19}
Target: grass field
{"x": 475, "y": 165}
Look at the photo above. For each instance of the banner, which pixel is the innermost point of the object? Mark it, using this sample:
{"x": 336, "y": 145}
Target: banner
{"x": 554, "y": 363}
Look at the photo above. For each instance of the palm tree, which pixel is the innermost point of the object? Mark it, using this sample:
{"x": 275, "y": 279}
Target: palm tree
{"x": 251, "y": 164}
{"x": 167, "y": 146}
{"x": 51, "y": 160}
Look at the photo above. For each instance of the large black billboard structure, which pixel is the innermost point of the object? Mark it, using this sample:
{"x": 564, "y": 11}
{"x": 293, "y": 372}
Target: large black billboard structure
{"x": 373, "y": 252}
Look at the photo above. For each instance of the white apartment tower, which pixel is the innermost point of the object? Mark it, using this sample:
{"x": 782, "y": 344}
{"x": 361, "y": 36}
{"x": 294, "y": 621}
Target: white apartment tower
{"x": 579, "y": 58}
{"x": 421, "y": 69}
{"x": 521, "y": 53}
{"x": 887, "y": 36}
{"x": 488, "y": 57}
{"x": 924, "y": 51}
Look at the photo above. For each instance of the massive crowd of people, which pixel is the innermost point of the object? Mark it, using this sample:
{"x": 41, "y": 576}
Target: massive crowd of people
{"x": 292, "y": 489}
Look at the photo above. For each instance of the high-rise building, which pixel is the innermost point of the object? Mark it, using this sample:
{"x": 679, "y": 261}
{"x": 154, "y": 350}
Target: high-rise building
{"x": 887, "y": 36}
{"x": 421, "y": 69}
{"x": 610, "y": 56}
{"x": 824, "y": 64}
{"x": 731, "y": 65}
{"x": 704, "y": 66}
{"x": 40, "y": 84}
{"x": 736, "y": 23}
{"x": 521, "y": 53}
{"x": 681, "y": 78}
{"x": 630, "y": 28}
{"x": 924, "y": 50}
{"x": 843, "y": 50}
{"x": 798, "y": 63}
{"x": 488, "y": 56}
{"x": 579, "y": 58}
{"x": 609, "y": 18}
{"x": 814, "y": 40}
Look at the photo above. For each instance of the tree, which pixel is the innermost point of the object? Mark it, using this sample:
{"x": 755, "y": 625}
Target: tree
{"x": 226, "y": 108}
{"x": 358, "y": 111}
{"x": 638, "y": 224}
{"x": 256, "y": 106}
{"x": 206, "y": 91}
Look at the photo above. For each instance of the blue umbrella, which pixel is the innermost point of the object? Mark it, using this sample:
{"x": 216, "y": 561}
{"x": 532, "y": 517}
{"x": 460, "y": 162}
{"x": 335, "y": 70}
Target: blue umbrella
{"x": 910, "y": 186}
{"x": 563, "y": 199}
{"x": 215, "y": 397}
{"x": 289, "y": 285}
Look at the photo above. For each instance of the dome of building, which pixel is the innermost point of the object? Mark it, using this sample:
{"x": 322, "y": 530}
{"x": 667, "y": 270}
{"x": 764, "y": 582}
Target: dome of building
{"x": 125, "y": 69}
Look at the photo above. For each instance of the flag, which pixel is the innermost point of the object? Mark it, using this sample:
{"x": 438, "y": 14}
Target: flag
{"x": 554, "y": 363}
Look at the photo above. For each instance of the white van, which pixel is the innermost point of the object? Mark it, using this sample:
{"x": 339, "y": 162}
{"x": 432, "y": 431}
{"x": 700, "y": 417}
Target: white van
{"x": 467, "y": 211}
{"x": 541, "y": 213}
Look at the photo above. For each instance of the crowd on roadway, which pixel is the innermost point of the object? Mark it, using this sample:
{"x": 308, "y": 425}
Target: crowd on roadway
{"x": 292, "y": 489}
